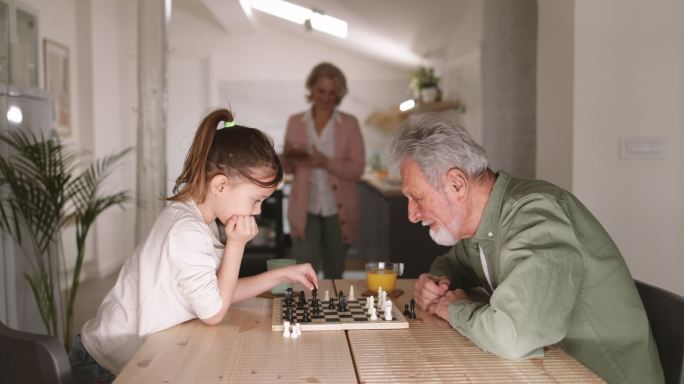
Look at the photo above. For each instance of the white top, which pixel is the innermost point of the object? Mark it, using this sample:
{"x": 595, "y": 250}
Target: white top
{"x": 321, "y": 198}
{"x": 169, "y": 279}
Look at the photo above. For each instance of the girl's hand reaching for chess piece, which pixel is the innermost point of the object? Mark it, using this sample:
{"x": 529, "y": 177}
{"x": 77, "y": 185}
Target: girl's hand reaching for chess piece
{"x": 303, "y": 274}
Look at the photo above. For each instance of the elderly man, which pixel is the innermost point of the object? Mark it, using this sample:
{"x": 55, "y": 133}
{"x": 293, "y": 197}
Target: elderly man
{"x": 550, "y": 272}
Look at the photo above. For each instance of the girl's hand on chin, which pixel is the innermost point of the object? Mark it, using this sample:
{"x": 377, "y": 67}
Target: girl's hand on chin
{"x": 240, "y": 230}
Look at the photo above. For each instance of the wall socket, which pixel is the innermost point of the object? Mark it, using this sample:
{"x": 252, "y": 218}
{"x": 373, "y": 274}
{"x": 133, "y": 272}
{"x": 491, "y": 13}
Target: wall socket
{"x": 642, "y": 147}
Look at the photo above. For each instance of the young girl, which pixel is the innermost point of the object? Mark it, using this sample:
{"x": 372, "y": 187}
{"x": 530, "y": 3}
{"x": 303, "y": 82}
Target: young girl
{"x": 182, "y": 271}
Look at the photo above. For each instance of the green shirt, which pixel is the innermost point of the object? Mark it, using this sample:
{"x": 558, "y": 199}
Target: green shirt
{"x": 556, "y": 277}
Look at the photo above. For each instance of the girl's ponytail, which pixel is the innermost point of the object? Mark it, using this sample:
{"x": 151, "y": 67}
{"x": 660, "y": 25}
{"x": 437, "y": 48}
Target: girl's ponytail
{"x": 234, "y": 151}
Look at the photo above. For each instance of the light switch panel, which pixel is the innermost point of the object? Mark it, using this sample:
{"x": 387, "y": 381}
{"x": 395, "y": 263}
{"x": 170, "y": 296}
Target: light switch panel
{"x": 642, "y": 147}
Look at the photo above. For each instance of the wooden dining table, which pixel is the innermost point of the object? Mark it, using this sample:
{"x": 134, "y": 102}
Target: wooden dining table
{"x": 244, "y": 349}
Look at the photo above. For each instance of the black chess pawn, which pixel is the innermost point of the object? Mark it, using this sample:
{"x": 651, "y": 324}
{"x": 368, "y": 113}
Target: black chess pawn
{"x": 302, "y": 299}
{"x": 331, "y": 303}
{"x": 406, "y": 310}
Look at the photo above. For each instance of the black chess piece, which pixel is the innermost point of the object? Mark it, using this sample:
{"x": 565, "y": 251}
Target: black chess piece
{"x": 288, "y": 296}
{"x": 302, "y": 299}
{"x": 288, "y": 313}
{"x": 406, "y": 310}
{"x": 331, "y": 303}
{"x": 341, "y": 303}
{"x": 306, "y": 318}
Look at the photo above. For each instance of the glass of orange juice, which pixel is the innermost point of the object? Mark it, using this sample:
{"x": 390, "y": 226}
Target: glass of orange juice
{"x": 383, "y": 274}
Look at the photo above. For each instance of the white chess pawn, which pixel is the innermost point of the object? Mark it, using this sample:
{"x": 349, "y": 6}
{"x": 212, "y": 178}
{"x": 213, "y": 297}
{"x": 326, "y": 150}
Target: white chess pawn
{"x": 373, "y": 314}
{"x": 299, "y": 329}
{"x": 294, "y": 331}
{"x": 351, "y": 294}
{"x": 286, "y": 330}
{"x": 327, "y": 295}
{"x": 388, "y": 310}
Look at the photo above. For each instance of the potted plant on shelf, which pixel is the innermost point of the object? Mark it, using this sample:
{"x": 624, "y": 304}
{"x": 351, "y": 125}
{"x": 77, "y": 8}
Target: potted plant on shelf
{"x": 425, "y": 84}
{"x": 45, "y": 189}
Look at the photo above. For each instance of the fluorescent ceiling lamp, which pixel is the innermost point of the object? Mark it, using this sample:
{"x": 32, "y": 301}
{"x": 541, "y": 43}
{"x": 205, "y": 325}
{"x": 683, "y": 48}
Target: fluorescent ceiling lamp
{"x": 406, "y": 105}
{"x": 300, "y": 15}
{"x": 329, "y": 25}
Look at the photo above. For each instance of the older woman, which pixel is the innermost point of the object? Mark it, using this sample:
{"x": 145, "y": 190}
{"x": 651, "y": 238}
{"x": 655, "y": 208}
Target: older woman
{"x": 324, "y": 151}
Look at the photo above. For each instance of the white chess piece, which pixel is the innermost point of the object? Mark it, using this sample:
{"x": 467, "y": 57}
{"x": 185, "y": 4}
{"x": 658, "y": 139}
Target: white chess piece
{"x": 327, "y": 295}
{"x": 384, "y": 299}
{"x": 388, "y": 310}
{"x": 379, "y": 295}
{"x": 299, "y": 329}
{"x": 294, "y": 331}
{"x": 351, "y": 294}
{"x": 286, "y": 330}
{"x": 373, "y": 314}
{"x": 371, "y": 304}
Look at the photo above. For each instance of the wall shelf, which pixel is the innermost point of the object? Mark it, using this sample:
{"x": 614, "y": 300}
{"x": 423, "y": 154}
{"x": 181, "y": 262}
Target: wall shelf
{"x": 391, "y": 119}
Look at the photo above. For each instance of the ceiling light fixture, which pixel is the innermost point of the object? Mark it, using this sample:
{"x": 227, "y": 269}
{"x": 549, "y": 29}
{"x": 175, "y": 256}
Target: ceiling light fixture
{"x": 310, "y": 18}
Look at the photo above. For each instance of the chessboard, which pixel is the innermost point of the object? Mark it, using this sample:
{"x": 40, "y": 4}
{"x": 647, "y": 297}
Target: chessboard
{"x": 355, "y": 317}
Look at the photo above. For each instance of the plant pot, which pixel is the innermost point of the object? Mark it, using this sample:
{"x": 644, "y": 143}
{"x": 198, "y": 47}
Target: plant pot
{"x": 428, "y": 95}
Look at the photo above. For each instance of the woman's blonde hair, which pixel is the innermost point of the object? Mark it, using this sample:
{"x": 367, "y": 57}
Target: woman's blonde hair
{"x": 329, "y": 71}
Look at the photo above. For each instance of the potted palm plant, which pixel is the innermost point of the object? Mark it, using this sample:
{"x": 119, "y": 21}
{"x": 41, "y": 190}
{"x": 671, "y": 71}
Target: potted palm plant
{"x": 425, "y": 84}
{"x": 45, "y": 189}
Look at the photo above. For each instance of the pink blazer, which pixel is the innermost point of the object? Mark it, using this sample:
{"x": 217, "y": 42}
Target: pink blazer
{"x": 345, "y": 169}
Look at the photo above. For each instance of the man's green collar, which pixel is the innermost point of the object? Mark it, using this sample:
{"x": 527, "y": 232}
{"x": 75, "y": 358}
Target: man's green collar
{"x": 490, "y": 216}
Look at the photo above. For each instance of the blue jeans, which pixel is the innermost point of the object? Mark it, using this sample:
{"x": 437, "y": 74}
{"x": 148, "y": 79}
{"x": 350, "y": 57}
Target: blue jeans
{"x": 84, "y": 368}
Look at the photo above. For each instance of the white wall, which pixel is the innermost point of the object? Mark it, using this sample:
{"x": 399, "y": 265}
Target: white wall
{"x": 555, "y": 91}
{"x": 261, "y": 77}
{"x": 113, "y": 230}
{"x": 461, "y": 68}
{"x": 629, "y": 81}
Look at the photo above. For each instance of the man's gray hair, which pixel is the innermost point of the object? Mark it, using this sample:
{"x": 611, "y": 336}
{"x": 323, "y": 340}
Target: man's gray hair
{"x": 437, "y": 145}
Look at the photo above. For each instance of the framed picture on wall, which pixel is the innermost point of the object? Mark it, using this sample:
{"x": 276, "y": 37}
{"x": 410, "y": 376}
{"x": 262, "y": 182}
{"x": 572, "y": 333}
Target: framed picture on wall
{"x": 56, "y": 66}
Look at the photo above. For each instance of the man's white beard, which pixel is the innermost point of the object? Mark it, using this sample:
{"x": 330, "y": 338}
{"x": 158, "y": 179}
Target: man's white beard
{"x": 442, "y": 236}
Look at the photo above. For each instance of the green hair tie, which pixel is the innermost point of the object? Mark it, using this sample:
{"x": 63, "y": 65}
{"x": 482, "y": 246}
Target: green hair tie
{"x": 226, "y": 124}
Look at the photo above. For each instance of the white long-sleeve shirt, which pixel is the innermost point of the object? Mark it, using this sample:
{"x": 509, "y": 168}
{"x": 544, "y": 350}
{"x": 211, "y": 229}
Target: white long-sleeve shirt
{"x": 170, "y": 279}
